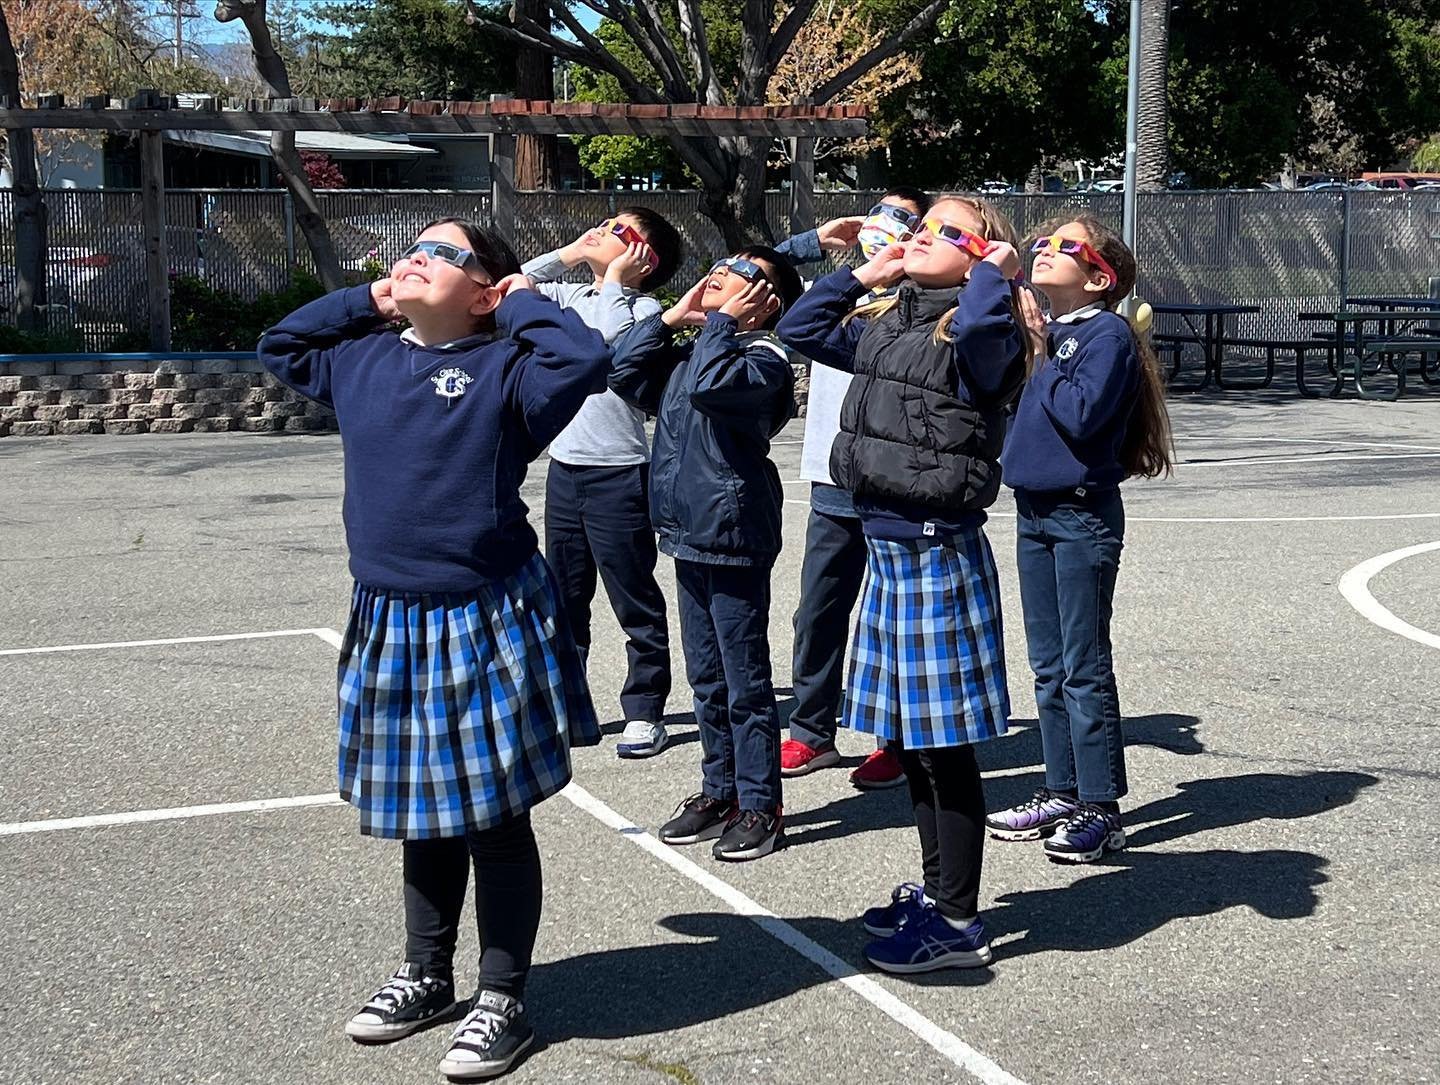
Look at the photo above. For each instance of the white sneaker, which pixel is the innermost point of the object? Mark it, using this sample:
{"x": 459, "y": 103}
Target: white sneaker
{"x": 642, "y": 738}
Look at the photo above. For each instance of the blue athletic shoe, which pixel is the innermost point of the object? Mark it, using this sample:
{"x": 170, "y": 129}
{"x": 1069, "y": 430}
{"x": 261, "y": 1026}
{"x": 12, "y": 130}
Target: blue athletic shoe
{"x": 907, "y": 901}
{"x": 928, "y": 943}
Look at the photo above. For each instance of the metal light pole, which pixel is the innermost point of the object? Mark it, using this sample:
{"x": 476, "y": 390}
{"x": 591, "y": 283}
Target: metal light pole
{"x": 1132, "y": 135}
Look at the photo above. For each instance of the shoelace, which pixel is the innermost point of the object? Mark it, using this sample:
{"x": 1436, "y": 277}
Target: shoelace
{"x": 1036, "y": 801}
{"x": 481, "y": 1027}
{"x": 1083, "y": 819}
{"x": 906, "y": 891}
{"x": 701, "y": 797}
{"x": 396, "y": 994}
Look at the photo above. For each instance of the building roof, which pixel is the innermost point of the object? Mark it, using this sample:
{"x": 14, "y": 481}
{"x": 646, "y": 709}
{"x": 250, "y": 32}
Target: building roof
{"x": 340, "y": 145}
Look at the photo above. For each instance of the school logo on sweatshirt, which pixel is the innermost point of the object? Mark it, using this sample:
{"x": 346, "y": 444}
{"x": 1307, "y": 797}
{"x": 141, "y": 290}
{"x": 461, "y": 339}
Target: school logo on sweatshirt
{"x": 451, "y": 383}
{"x": 1067, "y": 349}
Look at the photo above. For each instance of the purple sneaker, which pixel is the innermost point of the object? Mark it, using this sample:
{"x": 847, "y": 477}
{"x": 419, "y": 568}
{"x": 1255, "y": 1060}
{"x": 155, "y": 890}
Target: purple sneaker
{"x": 1036, "y": 817}
{"x": 907, "y": 901}
{"x": 1087, "y": 835}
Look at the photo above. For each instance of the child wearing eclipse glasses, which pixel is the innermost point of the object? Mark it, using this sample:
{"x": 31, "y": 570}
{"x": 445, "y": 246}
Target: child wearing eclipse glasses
{"x": 936, "y": 363}
{"x": 1092, "y": 414}
{"x": 597, "y": 519}
{"x": 715, "y": 499}
{"x": 460, "y": 690}
{"x": 834, "y": 561}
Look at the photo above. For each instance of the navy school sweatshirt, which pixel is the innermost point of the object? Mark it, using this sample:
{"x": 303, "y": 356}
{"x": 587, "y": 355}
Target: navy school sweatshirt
{"x": 437, "y": 439}
{"x": 1071, "y": 421}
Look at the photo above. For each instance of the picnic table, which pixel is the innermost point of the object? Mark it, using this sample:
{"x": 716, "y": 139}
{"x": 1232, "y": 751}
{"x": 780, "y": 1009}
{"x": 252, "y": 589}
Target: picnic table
{"x": 1386, "y": 337}
{"x": 1211, "y": 339}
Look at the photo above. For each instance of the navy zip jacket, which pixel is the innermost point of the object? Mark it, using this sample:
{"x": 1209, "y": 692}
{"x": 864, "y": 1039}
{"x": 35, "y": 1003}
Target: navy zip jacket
{"x": 437, "y": 439}
{"x": 1069, "y": 428}
{"x": 715, "y": 497}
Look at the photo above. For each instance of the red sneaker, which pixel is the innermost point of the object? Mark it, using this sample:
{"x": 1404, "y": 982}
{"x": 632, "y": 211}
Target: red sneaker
{"x": 881, "y": 769}
{"x": 798, "y": 759}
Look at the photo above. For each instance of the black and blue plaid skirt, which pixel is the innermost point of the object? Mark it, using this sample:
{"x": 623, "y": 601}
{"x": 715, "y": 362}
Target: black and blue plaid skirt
{"x": 927, "y": 666}
{"x": 458, "y": 710}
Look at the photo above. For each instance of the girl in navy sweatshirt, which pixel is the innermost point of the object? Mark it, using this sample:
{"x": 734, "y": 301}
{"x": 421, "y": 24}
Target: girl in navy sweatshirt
{"x": 1092, "y": 414}
{"x": 461, "y": 693}
{"x": 936, "y": 365}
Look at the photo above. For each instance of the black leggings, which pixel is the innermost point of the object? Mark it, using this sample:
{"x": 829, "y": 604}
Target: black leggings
{"x": 507, "y": 901}
{"x": 949, "y": 805}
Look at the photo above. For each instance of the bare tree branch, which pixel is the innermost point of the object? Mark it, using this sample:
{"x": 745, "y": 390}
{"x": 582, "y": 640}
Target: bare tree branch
{"x": 697, "y": 45}
{"x": 784, "y": 35}
{"x": 590, "y": 42}
{"x": 755, "y": 16}
{"x": 889, "y": 48}
{"x": 654, "y": 27}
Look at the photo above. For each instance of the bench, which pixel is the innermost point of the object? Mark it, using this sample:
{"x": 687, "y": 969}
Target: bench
{"x": 1175, "y": 344}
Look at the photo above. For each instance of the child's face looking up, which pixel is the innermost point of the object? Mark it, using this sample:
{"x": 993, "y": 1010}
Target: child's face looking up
{"x": 1067, "y": 272}
{"x": 423, "y": 284}
{"x": 724, "y": 283}
{"x": 603, "y": 245}
{"x": 933, "y": 262}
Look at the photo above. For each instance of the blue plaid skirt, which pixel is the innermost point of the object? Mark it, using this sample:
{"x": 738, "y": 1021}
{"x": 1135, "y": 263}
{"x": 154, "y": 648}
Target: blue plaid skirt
{"x": 928, "y": 663}
{"x": 458, "y": 710}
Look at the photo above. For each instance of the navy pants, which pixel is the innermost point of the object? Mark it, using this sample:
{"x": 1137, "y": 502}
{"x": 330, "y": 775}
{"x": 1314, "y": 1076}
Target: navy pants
{"x": 507, "y": 901}
{"x": 725, "y": 629}
{"x": 597, "y": 520}
{"x": 830, "y": 579}
{"x": 1068, "y": 553}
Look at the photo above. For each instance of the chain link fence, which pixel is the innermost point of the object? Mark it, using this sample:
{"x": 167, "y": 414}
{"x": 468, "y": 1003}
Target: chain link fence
{"x": 1286, "y": 252}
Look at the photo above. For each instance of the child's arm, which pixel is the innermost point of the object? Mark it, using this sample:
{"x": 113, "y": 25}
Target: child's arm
{"x": 1098, "y": 385}
{"x": 545, "y": 272}
{"x": 645, "y": 356}
{"x": 301, "y": 349}
{"x": 988, "y": 345}
{"x": 802, "y": 249}
{"x": 816, "y": 326}
{"x": 618, "y": 311}
{"x": 733, "y": 382}
{"x": 837, "y": 235}
{"x": 562, "y": 361}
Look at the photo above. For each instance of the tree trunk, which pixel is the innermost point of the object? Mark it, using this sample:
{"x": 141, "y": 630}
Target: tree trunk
{"x": 534, "y": 78}
{"x": 271, "y": 69}
{"x": 1152, "y": 158}
{"x": 737, "y": 207}
{"x": 27, "y": 205}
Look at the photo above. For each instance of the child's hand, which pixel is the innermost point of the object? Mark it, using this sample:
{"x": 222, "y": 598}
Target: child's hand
{"x": 838, "y": 235}
{"x": 687, "y": 312}
{"x": 512, "y": 283}
{"x": 1003, "y": 255}
{"x": 1036, "y": 326}
{"x": 574, "y": 253}
{"x": 752, "y": 305}
{"x": 631, "y": 266}
{"x": 885, "y": 268}
{"x": 385, "y": 306}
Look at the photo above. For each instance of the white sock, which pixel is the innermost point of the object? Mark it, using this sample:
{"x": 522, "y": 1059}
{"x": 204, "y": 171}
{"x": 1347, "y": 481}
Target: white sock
{"x": 958, "y": 924}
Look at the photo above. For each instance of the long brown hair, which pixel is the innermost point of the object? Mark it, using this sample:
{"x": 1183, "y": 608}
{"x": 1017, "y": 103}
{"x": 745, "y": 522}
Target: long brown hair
{"x": 1148, "y": 449}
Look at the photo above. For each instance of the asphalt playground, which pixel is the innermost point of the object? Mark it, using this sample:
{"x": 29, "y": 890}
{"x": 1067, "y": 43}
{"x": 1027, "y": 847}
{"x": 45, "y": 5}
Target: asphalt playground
{"x": 186, "y": 901}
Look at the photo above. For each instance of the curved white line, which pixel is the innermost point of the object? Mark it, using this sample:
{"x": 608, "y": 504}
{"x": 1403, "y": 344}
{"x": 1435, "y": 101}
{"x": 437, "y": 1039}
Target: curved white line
{"x": 1355, "y": 587}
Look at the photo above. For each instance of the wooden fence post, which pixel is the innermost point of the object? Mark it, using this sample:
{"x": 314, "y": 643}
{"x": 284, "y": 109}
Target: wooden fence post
{"x": 157, "y": 258}
{"x": 802, "y": 185}
{"x": 502, "y": 185}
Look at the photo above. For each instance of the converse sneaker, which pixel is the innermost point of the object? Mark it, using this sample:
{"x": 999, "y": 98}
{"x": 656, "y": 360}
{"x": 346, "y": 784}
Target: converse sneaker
{"x": 906, "y": 902}
{"x": 1036, "y": 817}
{"x": 752, "y": 835}
{"x": 1086, "y": 835}
{"x": 881, "y": 769}
{"x": 494, "y": 1034}
{"x": 697, "y": 818}
{"x": 928, "y": 942}
{"x": 641, "y": 738}
{"x": 798, "y": 759}
{"x": 409, "y": 1001}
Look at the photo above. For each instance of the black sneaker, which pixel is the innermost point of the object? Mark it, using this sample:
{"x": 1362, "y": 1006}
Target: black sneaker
{"x": 409, "y": 1001}
{"x": 494, "y": 1034}
{"x": 697, "y": 818}
{"x": 751, "y": 835}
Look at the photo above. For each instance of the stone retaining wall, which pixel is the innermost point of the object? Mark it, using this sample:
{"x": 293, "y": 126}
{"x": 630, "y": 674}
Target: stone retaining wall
{"x": 204, "y": 396}
{"x": 124, "y": 397}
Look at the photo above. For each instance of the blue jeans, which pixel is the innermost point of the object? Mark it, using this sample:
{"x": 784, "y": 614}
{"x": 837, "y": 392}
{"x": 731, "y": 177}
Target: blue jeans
{"x": 725, "y": 629}
{"x": 1068, "y": 552}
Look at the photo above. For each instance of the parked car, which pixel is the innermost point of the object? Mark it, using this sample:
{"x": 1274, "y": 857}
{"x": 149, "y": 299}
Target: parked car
{"x": 1108, "y": 184}
{"x": 68, "y": 270}
{"x": 995, "y": 188}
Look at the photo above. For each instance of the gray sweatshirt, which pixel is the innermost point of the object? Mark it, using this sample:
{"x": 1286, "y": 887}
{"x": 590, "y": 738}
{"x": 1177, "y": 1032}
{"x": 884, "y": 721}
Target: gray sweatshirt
{"x": 607, "y": 432}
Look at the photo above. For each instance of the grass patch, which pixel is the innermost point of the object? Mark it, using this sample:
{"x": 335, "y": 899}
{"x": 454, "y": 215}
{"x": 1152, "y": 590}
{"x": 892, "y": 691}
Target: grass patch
{"x": 677, "y": 1071}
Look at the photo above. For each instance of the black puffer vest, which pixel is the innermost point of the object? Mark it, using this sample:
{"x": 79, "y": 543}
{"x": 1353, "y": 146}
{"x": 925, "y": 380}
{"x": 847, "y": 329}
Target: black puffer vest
{"x": 910, "y": 430}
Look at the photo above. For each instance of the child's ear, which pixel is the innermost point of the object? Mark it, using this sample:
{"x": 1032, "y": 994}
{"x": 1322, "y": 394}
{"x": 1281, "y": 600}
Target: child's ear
{"x": 1099, "y": 283}
{"x": 487, "y": 300}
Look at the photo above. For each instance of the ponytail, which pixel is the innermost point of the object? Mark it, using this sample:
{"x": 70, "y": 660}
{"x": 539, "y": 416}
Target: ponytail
{"x": 1149, "y": 447}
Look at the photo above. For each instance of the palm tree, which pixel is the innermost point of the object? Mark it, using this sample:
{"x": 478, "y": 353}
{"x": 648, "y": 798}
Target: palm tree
{"x": 1152, "y": 158}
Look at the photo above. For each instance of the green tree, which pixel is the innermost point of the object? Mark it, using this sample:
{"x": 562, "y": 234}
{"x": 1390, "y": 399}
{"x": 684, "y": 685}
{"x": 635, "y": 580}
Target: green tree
{"x": 412, "y": 48}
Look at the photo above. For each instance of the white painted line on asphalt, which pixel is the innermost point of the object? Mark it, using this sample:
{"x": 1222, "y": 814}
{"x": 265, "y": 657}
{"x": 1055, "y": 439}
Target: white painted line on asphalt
{"x": 1305, "y": 441}
{"x": 166, "y": 640}
{"x": 1318, "y": 457}
{"x": 979, "y": 1065}
{"x": 1229, "y": 519}
{"x": 329, "y": 636}
{"x": 174, "y": 813}
{"x": 1355, "y": 587}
